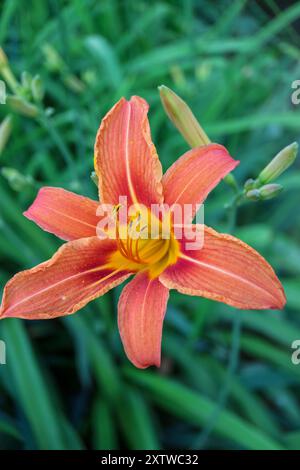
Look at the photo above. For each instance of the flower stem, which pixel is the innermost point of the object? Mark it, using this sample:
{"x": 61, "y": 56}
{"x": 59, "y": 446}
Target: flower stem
{"x": 234, "y": 352}
{"x": 225, "y": 391}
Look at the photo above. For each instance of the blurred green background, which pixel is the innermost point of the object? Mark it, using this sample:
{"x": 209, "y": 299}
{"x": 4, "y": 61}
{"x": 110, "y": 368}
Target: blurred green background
{"x": 227, "y": 380}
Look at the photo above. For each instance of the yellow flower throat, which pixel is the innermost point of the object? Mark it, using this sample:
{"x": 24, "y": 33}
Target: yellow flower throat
{"x": 145, "y": 244}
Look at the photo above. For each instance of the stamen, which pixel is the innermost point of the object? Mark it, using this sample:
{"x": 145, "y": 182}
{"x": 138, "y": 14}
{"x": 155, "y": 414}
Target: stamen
{"x": 136, "y": 249}
{"x": 129, "y": 245}
{"x": 120, "y": 243}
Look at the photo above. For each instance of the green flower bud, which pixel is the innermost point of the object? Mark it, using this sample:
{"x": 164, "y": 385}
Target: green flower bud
{"x": 269, "y": 191}
{"x": 5, "y": 131}
{"x": 26, "y": 80}
{"x": 3, "y": 58}
{"x": 6, "y": 72}
{"x": 37, "y": 88}
{"x": 16, "y": 180}
{"x": 249, "y": 184}
{"x": 231, "y": 181}
{"x": 21, "y": 106}
{"x": 253, "y": 195}
{"x": 279, "y": 164}
{"x": 53, "y": 59}
{"x": 183, "y": 118}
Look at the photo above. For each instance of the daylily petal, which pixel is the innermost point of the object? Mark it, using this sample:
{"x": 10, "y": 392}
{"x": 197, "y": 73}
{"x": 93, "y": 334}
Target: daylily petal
{"x": 191, "y": 178}
{"x": 226, "y": 270}
{"x": 74, "y": 276}
{"x": 142, "y": 308}
{"x": 126, "y": 161}
{"x": 66, "y": 214}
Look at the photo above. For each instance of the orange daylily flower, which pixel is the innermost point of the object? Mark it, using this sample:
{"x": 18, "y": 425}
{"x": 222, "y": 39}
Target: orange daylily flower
{"x": 224, "y": 269}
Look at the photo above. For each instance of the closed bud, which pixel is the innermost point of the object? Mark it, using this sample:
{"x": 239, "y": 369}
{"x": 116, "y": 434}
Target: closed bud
{"x": 5, "y": 131}
{"x": 253, "y": 195}
{"x": 269, "y": 191}
{"x": 26, "y": 80}
{"x": 231, "y": 181}
{"x": 21, "y": 106}
{"x": 279, "y": 164}
{"x": 183, "y": 118}
{"x": 3, "y": 58}
{"x": 37, "y": 88}
{"x": 74, "y": 83}
{"x": 16, "y": 180}
{"x": 6, "y": 72}
{"x": 249, "y": 184}
{"x": 53, "y": 59}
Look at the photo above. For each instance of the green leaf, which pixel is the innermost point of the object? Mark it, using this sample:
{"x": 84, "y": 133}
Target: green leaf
{"x": 30, "y": 389}
{"x": 103, "y": 426}
{"x": 136, "y": 420}
{"x": 194, "y": 408}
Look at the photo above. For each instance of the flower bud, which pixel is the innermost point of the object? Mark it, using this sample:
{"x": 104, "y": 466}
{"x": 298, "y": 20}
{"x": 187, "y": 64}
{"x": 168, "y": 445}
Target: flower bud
{"x": 26, "y": 80}
{"x": 3, "y": 58}
{"x": 37, "y": 88}
{"x": 269, "y": 191}
{"x": 183, "y": 118}
{"x": 16, "y": 180}
{"x": 253, "y": 195}
{"x": 279, "y": 164}
{"x": 53, "y": 60}
{"x": 6, "y": 72}
{"x": 5, "y": 131}
{"x": 19, "y": 105}
{"x": 249, "y": 184}
{"x": 231, "y": 181}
